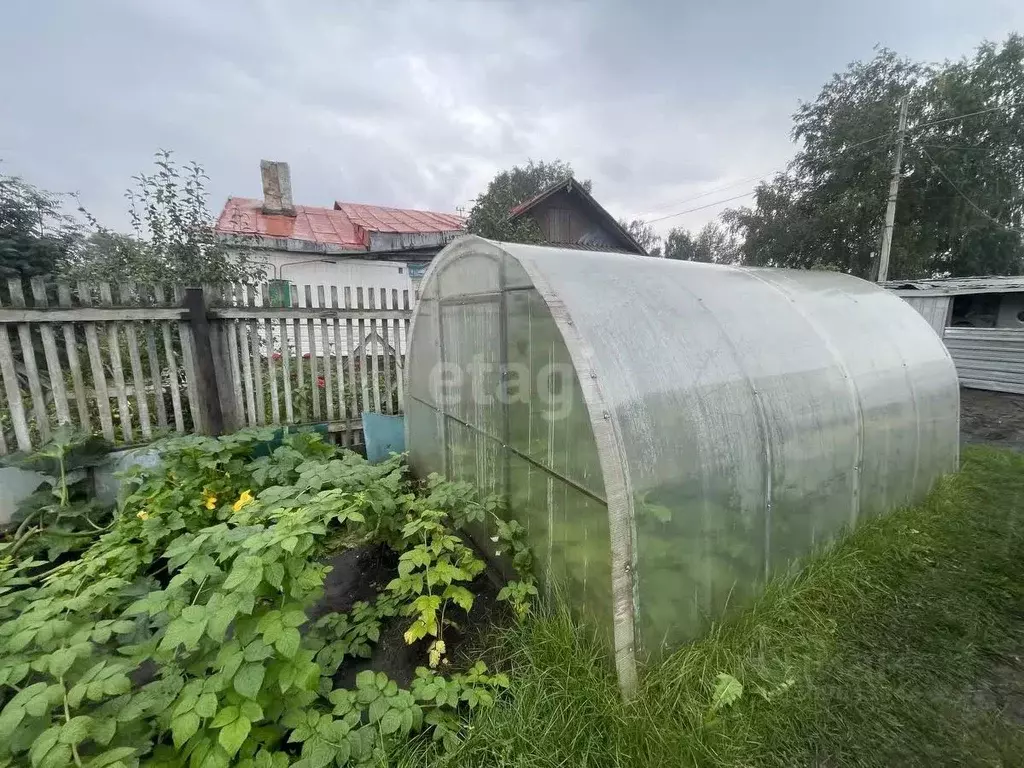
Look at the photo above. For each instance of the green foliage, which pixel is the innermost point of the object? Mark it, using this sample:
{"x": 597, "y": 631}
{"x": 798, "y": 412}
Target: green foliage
{"x": 644, "y": 234}
{"x": 173, "y": 238}
{"x": 961, "y": 199}
{"x": 181, "y": 635}
{"x": 712, "y": 244}
{"x": 35, "y": 234}
{"x": 60, "y": 516}
{"x": 896, "y": 647}
{"x": 728, "y": 691}
{"x": 491, "y": 214}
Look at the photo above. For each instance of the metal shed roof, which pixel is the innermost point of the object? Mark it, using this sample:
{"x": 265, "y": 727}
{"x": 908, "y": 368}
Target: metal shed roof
{"x": 952, "y": 286}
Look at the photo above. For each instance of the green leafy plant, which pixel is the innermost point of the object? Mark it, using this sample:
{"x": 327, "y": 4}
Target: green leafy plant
{"x": 60, "y": 516}
{"x": 181, "y": 635}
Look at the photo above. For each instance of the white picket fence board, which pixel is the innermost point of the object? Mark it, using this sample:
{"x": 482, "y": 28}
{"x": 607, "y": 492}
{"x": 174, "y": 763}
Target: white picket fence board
{"x": 115, "y": 359}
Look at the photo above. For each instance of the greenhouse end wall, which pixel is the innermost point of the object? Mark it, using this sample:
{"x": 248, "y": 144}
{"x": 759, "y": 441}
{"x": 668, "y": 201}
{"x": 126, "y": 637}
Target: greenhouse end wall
{"x": 672, "y": 434}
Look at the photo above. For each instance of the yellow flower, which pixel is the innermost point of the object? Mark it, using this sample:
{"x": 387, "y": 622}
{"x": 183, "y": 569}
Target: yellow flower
{"x": 436, "y": 652}
{"x": 143, "y": 515}
{"x": 245, "y": 498}
{"x": 211, "y": 502}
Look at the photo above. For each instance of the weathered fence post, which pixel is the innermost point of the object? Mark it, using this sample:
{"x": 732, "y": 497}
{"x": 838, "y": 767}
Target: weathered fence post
{"x": 211, "y": 420}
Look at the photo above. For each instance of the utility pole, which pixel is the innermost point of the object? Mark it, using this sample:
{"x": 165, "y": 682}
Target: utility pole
{"x": 894, "y": 188}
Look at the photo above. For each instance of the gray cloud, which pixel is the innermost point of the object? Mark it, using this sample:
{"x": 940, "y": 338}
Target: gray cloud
{"x": 420, "y": 103}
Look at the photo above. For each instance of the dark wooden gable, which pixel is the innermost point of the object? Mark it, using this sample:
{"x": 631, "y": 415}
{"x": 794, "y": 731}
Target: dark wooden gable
{"x": 567, "y": 215}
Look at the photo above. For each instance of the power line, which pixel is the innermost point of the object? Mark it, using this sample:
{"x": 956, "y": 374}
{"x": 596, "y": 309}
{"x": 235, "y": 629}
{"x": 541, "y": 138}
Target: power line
{"x": 960, "y": 192}
{"x": 961, "y": 117}
{"x": 701, "y": 207}
{"x": 880, "y": 136}
{"x": 733, "y": 185}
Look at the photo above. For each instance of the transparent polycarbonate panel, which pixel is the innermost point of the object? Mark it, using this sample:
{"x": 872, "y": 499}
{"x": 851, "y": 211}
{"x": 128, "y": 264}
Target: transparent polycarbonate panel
{"x": 906, "y": 384}
{"x": 568, "y": 533}
{"x": 424, "y": 354}
{"x": 742, "y": 424}
{"x": 471, "y": 372}
{"x": 757, "y": 413}
{"x": 424, "y": 426}
{"x": 548, "y": 418}
{"x": 469, "y": 274}
{"x": 514, "y": 274}
{"x": 474, "y": 458}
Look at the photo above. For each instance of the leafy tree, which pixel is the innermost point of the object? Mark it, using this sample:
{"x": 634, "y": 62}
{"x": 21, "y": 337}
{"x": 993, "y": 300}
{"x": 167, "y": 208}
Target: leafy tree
{"x": 712, "y": 244}
{"x": 644, "y": 234}
{"x": 490, "y": 215}
{"x": 961, "y": 199}
{"x": 35, "y": 233}
{"x": 174, "y": 239}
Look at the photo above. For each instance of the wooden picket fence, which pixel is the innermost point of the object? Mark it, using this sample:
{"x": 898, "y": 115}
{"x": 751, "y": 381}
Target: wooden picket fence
{"x": 204, "y": 360}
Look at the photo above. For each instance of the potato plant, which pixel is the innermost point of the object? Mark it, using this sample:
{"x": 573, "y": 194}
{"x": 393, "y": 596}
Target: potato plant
{"x": 181, "y": 635}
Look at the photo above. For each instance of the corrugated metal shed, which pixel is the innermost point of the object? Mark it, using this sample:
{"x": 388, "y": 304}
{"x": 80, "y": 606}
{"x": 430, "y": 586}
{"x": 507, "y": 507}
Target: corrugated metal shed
{"x": 985, "y": 358}
{"x": 934, "y": 309}
{"x": 988, "y": 358}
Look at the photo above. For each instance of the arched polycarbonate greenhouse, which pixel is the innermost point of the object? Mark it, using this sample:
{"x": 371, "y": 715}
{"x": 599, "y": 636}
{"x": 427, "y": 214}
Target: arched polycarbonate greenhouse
{"x": 672, "y": 433}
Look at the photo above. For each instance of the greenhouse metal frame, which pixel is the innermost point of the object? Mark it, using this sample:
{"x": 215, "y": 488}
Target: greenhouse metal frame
{"x": 671, "y": 434}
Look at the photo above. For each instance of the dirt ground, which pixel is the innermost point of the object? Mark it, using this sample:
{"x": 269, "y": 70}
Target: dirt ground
{"x": 994, "y": 418}
{"x": 361, "y": 574}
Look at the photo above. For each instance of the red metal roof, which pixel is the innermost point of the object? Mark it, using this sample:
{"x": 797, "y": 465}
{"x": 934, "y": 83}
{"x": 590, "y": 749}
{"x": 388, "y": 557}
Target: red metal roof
{"x": 377, "y": 218}
{"x": 347, "y": 225}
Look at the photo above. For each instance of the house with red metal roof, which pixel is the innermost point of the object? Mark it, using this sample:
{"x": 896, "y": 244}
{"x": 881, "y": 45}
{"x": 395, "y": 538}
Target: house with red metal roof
{"x": 348, "y": 244}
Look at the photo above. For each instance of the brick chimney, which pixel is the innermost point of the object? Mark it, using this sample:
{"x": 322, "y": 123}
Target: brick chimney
{"x": 277, "y": 188}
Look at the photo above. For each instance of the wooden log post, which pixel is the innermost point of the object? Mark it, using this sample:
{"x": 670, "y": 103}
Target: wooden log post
{"x": 210, "y": 419}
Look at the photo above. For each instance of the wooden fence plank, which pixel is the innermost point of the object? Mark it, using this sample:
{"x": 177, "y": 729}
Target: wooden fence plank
{"x": 268, "y": 331}
{"x": 173, "y": 380}
{"x": 206, "y": 363}
{"x": 286, "y": 370}
{"x": 99, "y": 376}
{"x": 339, "y": 356}
{"x": 156, "y": 376}
{"x": 234, "y": 363}
{"x": 227, "y": 375}
{"x": 126, "y": 293}
{"x": 188, "y": 361}
{"x": 15, "y": 406}
{"x": 245, "y": 358}
{"x": 325, "y": 347}
{"x": 75, "y": 366}
{"x": 301, "y": 410}
{"x": 116, "y": 367}
{"x": 256, "y": 343}
{"x": 296, "y": 312}
{"x": 399, "y": 361}
{"x": 387, "y": 356}
{"x": 350, "y": 352}
{"x": 53, "y": 367}
{"x": 374, "y": 337}
{"x": 364, "y": 373}
{"x": 3, "y": 435}
{"x": 28, "y": 356}
{"x": 314, "y": 369}
{"x": 86, "y": 315}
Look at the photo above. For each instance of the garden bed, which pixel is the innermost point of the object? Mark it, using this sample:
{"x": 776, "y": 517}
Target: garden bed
{"x": 299, "y": 606}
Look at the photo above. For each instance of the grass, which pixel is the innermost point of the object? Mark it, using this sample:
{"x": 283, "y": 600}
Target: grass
{"x": 894, "y": 648}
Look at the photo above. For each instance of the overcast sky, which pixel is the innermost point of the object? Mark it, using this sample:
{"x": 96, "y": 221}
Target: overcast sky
{"x": 419, "y": 104}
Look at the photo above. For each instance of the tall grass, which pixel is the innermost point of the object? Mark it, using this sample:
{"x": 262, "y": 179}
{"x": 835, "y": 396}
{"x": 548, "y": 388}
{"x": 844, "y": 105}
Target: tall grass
{"x": 880, "y": 652}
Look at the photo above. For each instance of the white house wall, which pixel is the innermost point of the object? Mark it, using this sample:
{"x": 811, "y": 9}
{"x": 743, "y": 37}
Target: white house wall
{"x": 341, "y": 272}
